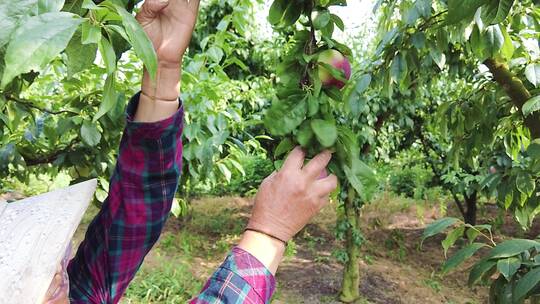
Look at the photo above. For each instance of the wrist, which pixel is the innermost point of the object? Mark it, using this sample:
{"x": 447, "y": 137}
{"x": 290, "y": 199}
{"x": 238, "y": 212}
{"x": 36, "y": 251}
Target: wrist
{"x": 268, "y": 250}
{"x": 166, "y": 85}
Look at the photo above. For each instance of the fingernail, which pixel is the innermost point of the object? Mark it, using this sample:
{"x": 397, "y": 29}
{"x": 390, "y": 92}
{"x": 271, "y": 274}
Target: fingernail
{"x": 164, "y": 1}
{"x": 323, "y": 174}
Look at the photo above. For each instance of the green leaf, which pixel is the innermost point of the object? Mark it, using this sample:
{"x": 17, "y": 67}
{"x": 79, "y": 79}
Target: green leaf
{"x": 119, "y": 30}
{"x": 277, "y": 9}
{"x": 325, "y": 131}
{"x": 338, "y": 22}
{"x": 438, "y": 226}
{"x": 108, "y": 55}
{"x": 49, "y": 6}
{"x": 215, "y": 54}
{"x": 398, "y": 69}
{"x": 479, "y": 270}
{"x": 423, "y": 7}
{"x": 527, "y": 283}
{"x": 284, "y": 146}
{"x": 503, "y": 9}
{"x": 90, "y": 33}
{"x": 533, "y": 150}
{"x": 477, "y": 43}
{"x": 525, "y": 183}
{"x": 305, "y": 134}
{"x": 225, "y": 171}
{"x": 460, "y": 256}
{"x": 322, "y": 19}
{"x": 494, "y": 39}
{"x": 79, "y": 56}
{"x": 438, "y": 57}
{"x": 362, "y": 178}
{"x": 176, "y": 209}
{"x": 285, "y": 115}
{"x": 508, "y": 267}
{"x": 363, "y": 83}
{"x": 451, "y": 238}
{"x": 511, "y": 248}
{"x": 532, "y": 72}
{"x": 37, "y": 41}
{"x": 11, "y": 13}
{"x": 418, "y": 39}
{"x": 284, "y": 12}
{"x": 89, "y": 4}
{"x": 110, "y": 97}
{"x": 532, "y": 105}
{"x": 90, "y": 134}
{"x": 313, "y": 105}
{"x": 507, "y": 49}
{"x": 459, "y": 10}
{"x": 139, "y": 40}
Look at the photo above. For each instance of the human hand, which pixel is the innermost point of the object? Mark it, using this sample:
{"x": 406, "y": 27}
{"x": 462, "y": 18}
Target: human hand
{"x": 169, "y": 24}
{"x": 289, "y": 198}
{"x": 58, "y": 292}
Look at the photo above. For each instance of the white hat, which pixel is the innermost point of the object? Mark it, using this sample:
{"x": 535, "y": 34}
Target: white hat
{"x": 34, "y": 235}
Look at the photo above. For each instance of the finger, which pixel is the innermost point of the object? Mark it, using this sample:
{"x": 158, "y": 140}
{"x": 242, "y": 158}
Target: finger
{"x": 326, "y": 185}
{"x": 269, "y": 178}
{"x": 294, "y": 160}
{"x": 55, "y": 284}
{"x": 323, "y": 202}
{"x": 317, "y": 165}
{"x": 150, "y": 9}
{"x": 194, "y": 6}
{"x": 61, "y": 297}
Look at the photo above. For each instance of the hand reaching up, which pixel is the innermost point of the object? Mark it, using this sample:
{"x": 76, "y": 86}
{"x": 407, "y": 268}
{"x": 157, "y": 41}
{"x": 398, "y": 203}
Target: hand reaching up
{"x": 169, "y": 25}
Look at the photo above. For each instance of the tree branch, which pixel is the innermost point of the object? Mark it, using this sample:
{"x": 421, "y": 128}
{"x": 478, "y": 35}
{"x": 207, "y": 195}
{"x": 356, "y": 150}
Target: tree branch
{"x": 31, "y": 104}
{"x": 459, "y": 204}
{"x": 516, "y": 90}
{"x": 47, "y": 159}
{"x": 366, "y": 148}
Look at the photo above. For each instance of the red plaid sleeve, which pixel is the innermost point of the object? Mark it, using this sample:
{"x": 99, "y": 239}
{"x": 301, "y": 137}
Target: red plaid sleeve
{"x": 131, "y": 219}
{"x": 240, "y": 279}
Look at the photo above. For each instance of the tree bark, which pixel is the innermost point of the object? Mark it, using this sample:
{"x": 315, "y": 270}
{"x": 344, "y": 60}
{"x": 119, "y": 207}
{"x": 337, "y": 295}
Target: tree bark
{"x": 516, "y": 90}
{"x": 350, "y": 288}
{"x": 471, "y": 202}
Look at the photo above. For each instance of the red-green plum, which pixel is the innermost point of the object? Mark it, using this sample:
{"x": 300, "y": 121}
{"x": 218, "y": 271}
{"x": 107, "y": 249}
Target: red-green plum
{"x": 338, "y": 61}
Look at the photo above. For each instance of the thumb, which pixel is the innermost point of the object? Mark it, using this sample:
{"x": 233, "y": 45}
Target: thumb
{"x": 150, "y": 9}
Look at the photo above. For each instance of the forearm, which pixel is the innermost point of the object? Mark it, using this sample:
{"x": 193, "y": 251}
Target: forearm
{"x": 267, "y": 250}
{"x": 159, "y": 98}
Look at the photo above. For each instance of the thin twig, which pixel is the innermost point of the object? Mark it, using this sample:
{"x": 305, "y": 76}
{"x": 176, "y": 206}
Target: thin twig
{"x": 31, "y": 104}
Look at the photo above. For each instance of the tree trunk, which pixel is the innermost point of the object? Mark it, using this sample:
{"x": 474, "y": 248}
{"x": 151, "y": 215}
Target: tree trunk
{"x": 350, "y": 288}
{"x": 470, "y": 214}
{"x": 516, "y": 90}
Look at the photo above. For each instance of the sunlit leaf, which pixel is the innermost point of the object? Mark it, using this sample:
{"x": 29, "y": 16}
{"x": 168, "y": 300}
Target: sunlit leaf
{"x": 37, "y": 41}
{"x": 139, "y": 40}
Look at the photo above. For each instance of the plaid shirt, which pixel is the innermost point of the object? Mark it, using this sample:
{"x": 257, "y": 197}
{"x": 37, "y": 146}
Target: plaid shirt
{"x": 131, "y": 219}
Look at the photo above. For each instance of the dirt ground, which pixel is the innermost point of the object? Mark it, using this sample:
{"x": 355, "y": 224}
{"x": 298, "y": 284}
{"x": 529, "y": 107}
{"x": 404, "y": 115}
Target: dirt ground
{"x": 394, "y": 268}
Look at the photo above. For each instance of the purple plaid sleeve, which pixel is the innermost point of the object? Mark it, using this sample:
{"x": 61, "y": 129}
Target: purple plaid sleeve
{"x": 240, "y": 279}
{"x": 132, "y": 217}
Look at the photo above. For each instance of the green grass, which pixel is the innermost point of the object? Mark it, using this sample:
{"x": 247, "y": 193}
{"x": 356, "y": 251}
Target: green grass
{"x": 169, "y": 281}
{"x": 172, "y": 273}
